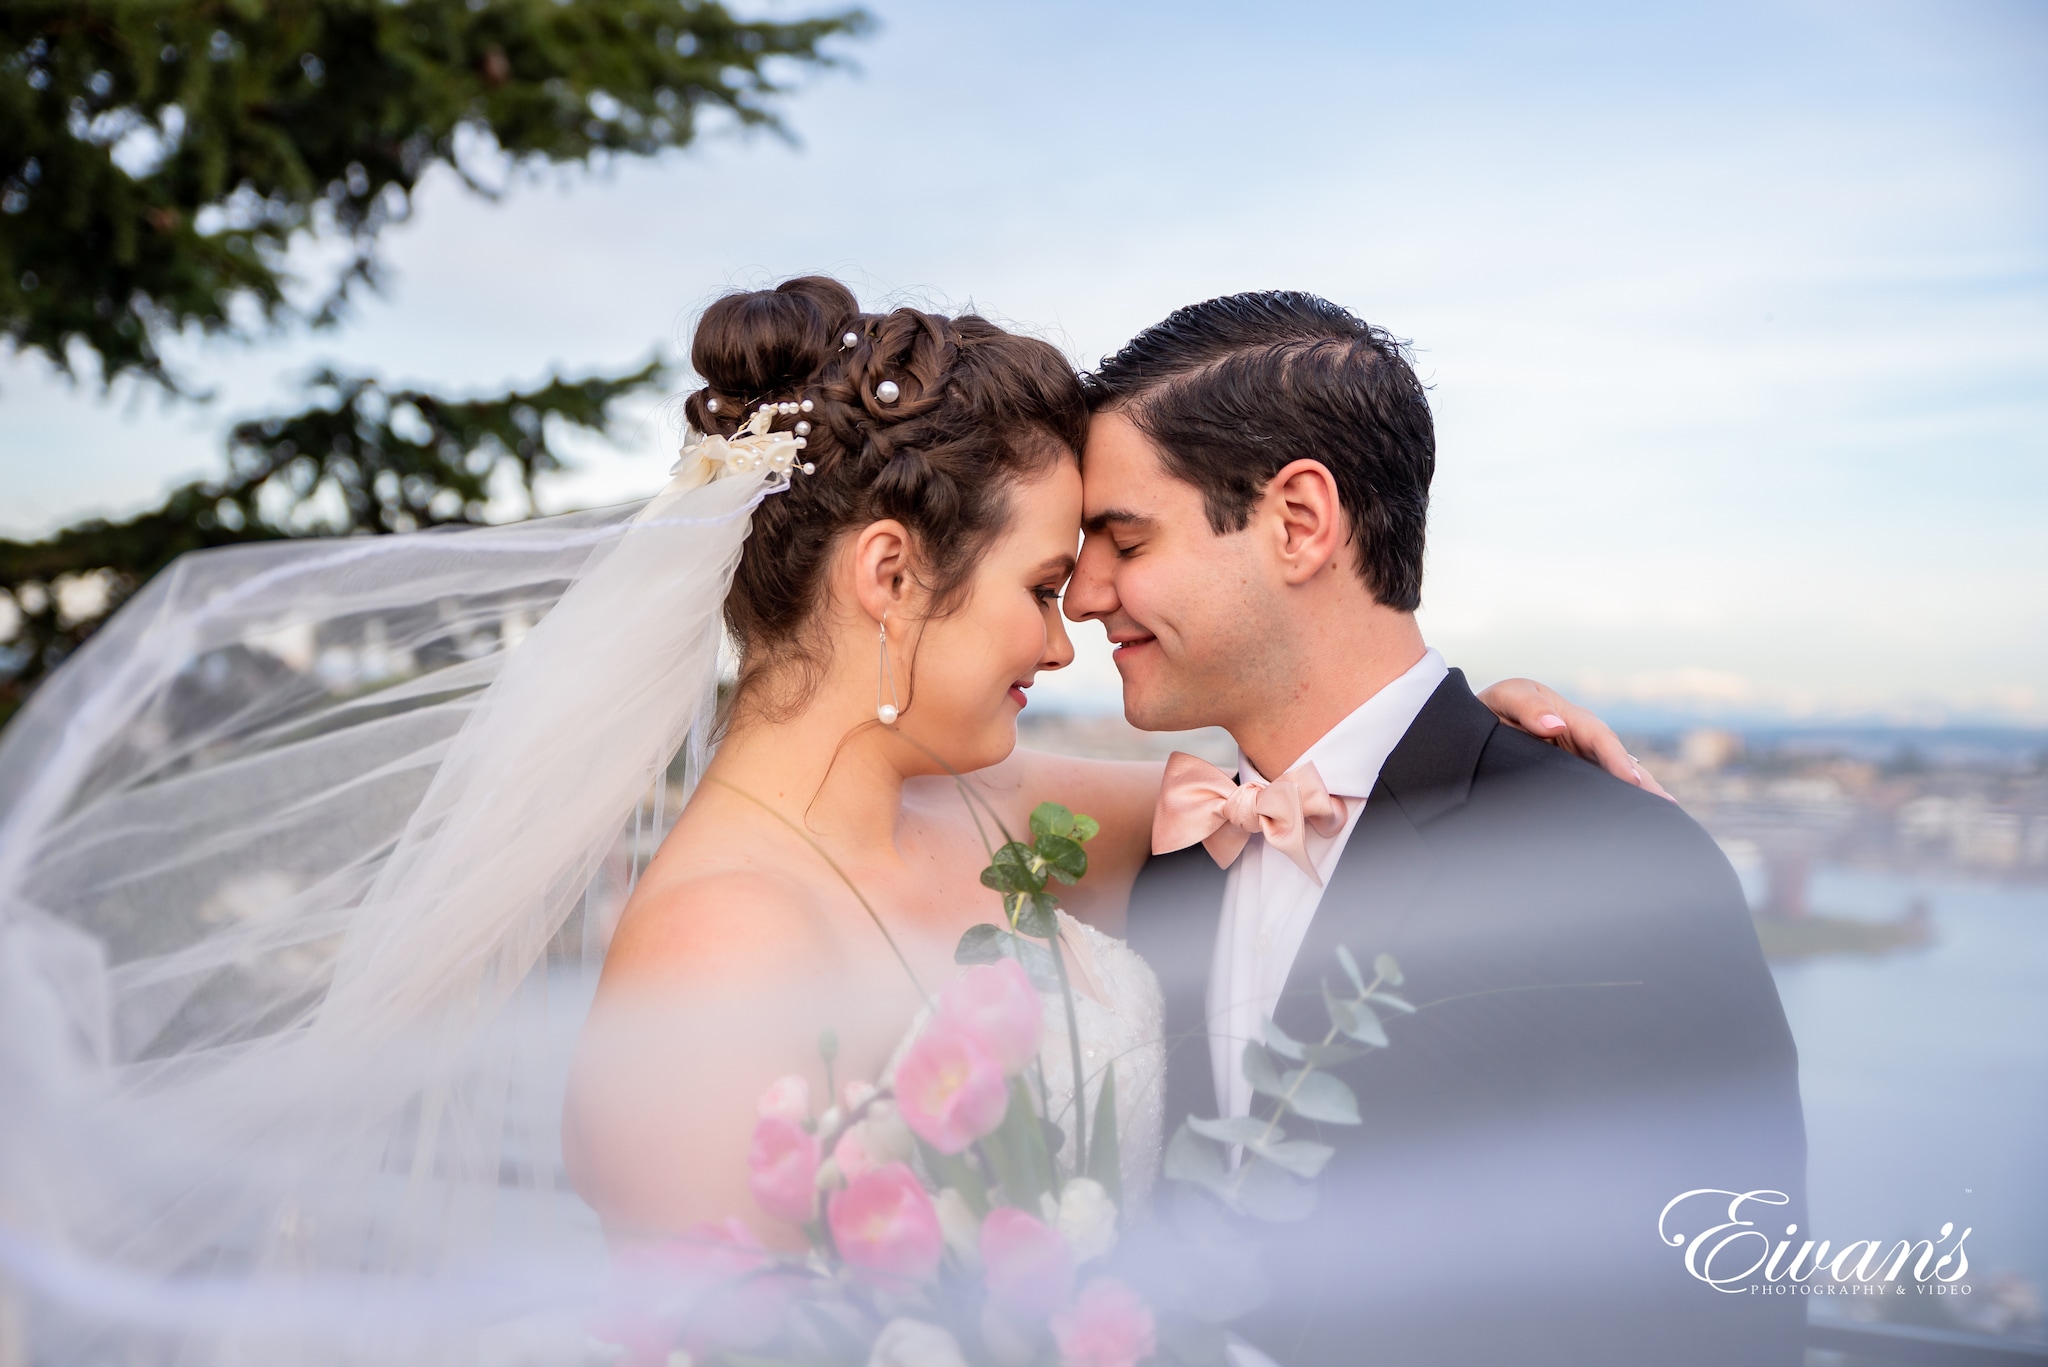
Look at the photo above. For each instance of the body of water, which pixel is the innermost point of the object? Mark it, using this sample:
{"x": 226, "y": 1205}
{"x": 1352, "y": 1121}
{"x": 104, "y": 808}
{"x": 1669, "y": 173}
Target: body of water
{"x": 1925, "y": 1071}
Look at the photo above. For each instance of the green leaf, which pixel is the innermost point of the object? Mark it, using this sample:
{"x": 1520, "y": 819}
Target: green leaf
{"x": 958, "y": 1171}
{"x": 1012, "y": 869}
{"x": 1391, "y": 1002}
{"x": 1035, "y": 918}
{"x": 982, "y": 944}
{"x": 1259, "y": 1070}
{"x": 1320, "y": 1096}
{"x": 1351, "y": 968}
{"x": 1018, "y": 1153}
{"x": 1105, "y": 1159}
{"x": 1038, "y": 964}
{"x": 1191, "y": 1158}
{"x": 1238, "y": 1129}
{"x": 1389, "y": 971}
{"x": 1266, "y": 1191}
{"x": 1049, "y": 818}
{"x": 1281, "y": 1043}
{"x": 1065, "y": 858}
{"x": 1355, "y": 1019}
{"x": 1086, "y": 828}
{"x": 1331, "y": 1055}
{"x": 1302, "y": 1157}
{"x": 828, "y": 1045}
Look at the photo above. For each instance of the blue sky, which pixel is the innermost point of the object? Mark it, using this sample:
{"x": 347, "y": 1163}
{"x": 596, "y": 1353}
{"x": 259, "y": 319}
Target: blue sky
{"x": 1736, "y": 316}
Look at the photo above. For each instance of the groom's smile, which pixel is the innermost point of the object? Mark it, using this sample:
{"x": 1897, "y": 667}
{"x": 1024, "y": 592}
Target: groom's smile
{"x": 1175, "y": 597}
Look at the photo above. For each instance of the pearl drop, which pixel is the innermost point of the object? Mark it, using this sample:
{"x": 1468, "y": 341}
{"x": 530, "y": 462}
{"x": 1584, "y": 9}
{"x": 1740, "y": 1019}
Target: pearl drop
{"x": 850, "y": 340}
{"x": 803, "y": 429}
{"x": 710, "y": 405}
{"x": 804, "y": 407}
{"x": 809, "y": 468}
{"x": 887, "y": 713}
{"x": 887, "y": 392}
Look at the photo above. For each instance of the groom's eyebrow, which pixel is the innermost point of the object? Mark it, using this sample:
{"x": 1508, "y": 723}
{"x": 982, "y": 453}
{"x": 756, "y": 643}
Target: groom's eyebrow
{"x": 1122, "y": 517}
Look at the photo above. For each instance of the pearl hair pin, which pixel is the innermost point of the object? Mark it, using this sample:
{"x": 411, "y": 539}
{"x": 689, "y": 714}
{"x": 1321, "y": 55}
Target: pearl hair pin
{"x": 803, "y": 429}
{"x": 849, "y": 341}
{"x": 710, "y": 405}
{"x": 887, "y": 392}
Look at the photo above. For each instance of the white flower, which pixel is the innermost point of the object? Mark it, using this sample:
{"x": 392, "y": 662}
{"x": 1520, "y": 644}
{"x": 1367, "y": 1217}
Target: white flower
{"x": 913, "y": 1343}
{"x": 788, "y": 1099}
{"x": 958, "y": 1224}
{"x": 1087, "y": 1219}
{"x": 886, "y": 1136}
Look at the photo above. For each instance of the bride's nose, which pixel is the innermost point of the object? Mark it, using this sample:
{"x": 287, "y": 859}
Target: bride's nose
{"x": 1059, "y": 649}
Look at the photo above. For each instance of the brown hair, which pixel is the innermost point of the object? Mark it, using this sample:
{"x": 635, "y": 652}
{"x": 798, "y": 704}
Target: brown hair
{"x": 977, "y": 409}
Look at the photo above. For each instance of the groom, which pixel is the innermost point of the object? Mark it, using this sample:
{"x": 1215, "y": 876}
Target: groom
{"x": 1597, "y": 1031}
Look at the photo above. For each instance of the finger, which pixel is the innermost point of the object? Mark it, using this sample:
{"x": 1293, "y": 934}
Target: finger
{"x": 1593, "y": 739}
{"x": 1650, "y": 783}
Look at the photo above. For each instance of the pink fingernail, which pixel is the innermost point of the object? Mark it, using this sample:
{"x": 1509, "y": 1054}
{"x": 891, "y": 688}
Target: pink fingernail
{"x": 1550, "y": 720}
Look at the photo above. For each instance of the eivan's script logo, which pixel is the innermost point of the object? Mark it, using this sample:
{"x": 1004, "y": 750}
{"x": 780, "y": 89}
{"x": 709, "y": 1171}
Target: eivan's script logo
{"x": 1863, "y": 1267}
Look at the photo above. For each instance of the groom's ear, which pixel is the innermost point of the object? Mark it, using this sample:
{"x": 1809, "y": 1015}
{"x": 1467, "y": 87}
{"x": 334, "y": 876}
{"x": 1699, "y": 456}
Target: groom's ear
{"x": 1303, "y": 519}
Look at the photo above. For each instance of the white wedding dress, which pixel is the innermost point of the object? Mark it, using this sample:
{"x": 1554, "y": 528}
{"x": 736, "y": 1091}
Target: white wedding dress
{"x": 308, "y": 859}
{"x": 1121, "y": 1015}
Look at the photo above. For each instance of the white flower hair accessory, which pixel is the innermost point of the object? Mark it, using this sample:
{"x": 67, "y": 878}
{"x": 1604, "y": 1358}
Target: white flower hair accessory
{"x": 753, "y": 450}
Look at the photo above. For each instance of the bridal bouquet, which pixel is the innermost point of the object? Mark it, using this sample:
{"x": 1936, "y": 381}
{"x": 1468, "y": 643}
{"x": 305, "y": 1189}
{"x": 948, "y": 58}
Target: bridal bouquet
{"x": 947, "y": 1226}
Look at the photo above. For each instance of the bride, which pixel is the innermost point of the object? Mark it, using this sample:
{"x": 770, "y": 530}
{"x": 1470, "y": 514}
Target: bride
{"x": 311, "y": 858}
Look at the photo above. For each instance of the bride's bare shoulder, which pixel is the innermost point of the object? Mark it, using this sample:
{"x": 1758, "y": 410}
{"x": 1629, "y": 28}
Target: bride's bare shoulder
{"x": 725, "y": 925}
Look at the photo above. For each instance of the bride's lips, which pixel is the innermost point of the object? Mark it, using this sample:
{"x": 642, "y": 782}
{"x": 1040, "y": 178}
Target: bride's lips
{"x": 1017, "y": 695}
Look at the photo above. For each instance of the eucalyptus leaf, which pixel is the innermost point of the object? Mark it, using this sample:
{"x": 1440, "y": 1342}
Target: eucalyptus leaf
{"x": 1389, "y": 971}
{"x": 1320, "y": 1096}
{"x": 982, "y": 944}
{"x": 1331, "y": 1055}
{"x": 1191, "y": 1158}
{"x": 1067, "y": 860}
{"x": 1282, "y": 1043}
{"x": 1013, "y": 866}
{"x": 1238, "y": 1129}
{"x": 1351, "y": 968}
{"x": 1038, "y": 964}
{"x": 1035, "y": 918}
{"x": 1302, "y": 1157}
{"x": 1355, "y": 1019}
{"x": 1086, "y": 828}
{"x": 1391, "y": 1002}
{"x": 1266, "y": 1191}
{"x": 1105, "y": 1161}
{"x": 1050, "y": 818}
{"x": 1259, "y": 1070}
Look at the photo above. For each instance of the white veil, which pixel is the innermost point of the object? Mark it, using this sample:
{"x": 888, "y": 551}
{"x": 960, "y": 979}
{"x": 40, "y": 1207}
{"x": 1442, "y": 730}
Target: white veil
{"x": 308, "y": 859}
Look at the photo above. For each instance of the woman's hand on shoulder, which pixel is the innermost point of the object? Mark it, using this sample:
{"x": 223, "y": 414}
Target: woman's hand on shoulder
{"x": 1545, "y": 714}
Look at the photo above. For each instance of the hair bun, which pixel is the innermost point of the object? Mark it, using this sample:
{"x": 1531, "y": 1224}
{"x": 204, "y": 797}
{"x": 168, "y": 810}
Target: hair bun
{"x": 771, "y": 341}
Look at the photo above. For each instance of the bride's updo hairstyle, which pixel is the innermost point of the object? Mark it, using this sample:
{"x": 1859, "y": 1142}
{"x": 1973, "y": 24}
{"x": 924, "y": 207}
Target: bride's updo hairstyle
{"x": 975, "y": 409}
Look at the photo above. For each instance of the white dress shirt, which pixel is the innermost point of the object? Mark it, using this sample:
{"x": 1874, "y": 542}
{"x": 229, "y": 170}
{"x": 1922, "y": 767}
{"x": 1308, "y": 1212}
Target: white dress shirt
{"x": 1268, "y": 901}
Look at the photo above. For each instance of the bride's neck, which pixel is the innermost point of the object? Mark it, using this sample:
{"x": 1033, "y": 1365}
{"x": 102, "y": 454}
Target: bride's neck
{"x": 828, "y": 768}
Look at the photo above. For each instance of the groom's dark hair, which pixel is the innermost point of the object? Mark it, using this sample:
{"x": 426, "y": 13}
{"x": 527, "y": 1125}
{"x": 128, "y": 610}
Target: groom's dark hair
{"x": 1235, "y": 388}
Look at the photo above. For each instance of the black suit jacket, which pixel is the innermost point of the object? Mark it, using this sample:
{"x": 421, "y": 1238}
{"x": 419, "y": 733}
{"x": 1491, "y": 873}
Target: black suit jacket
{"x": 1597, "y": 1033}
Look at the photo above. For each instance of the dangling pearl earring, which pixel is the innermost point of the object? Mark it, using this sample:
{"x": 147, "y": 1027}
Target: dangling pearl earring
{"x": 886, "y": 712}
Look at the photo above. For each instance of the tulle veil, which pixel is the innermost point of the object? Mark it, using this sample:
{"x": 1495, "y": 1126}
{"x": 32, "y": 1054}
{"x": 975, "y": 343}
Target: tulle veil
{"x": 308, "y": 860}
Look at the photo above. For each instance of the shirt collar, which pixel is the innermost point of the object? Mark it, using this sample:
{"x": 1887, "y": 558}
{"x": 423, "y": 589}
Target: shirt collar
{"x": 1350, "y": 754}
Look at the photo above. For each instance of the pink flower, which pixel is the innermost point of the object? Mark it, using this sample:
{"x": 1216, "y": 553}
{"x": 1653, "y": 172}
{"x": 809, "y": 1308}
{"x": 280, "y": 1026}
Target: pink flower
{"x": 782, "y": 1169}
{"x": 1027, "y": 1265}
{"x": 788, "y": 1098}
{"x": 1106, "y": 1326}
{"x": 885, "y": 1226}
{"x": 949, "y": 1088}
{"x": 851, "y": 1152}
{"x": 997, "y": 1004}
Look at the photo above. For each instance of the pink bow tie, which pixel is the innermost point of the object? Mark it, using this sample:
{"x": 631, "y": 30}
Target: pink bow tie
{"x": 1198, "y": 801}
